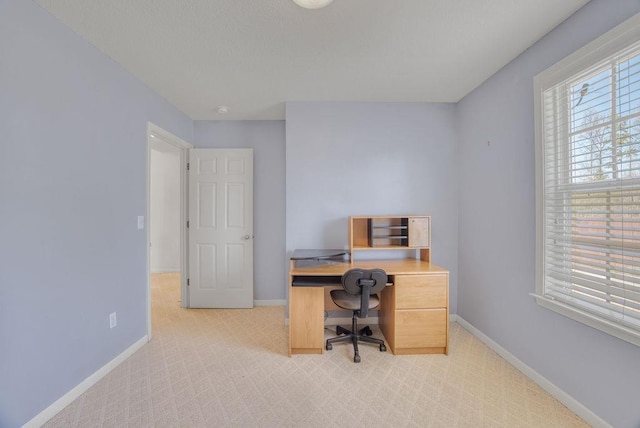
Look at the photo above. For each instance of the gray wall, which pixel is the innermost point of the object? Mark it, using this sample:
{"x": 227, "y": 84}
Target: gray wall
{"x": 371, "y": 158}
{"x": 266, "y": 138}
{"x": 497, "y": 231}
{"x": 73, "y": 162}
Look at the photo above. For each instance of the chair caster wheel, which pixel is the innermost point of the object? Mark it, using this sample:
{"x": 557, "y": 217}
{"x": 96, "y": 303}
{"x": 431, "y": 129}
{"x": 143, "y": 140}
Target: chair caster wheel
{"x": 356, "y": 359}
{"x": 329, "y": 347}
{"x": 383, "y": 348}
{"x": 368, "y": 332}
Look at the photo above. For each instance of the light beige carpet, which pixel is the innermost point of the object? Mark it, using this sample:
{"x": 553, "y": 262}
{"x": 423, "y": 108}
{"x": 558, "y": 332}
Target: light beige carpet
{"x": 219, "y": 368}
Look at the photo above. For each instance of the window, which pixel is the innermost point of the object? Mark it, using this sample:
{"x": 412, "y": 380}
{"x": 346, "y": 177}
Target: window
{"x": 588, "y": 184}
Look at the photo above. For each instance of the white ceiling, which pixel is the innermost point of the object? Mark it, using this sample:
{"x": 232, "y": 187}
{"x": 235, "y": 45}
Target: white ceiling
{"x": 253, "y": 55}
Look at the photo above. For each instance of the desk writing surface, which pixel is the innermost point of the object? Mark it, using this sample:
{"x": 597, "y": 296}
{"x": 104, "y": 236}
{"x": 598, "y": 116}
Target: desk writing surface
{"x": 391, "y": 267}
{"x": 413, "y": 315}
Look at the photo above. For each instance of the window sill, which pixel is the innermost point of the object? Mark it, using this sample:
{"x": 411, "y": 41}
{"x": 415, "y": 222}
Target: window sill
{"x": 606, "y": 326}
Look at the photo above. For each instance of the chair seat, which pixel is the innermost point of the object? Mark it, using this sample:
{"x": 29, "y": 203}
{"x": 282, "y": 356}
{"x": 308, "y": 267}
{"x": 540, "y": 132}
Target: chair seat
{"x": 351, "y": 302}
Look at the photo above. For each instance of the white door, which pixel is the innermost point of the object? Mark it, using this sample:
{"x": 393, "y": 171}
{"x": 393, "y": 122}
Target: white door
{"x": 220, "y": 228}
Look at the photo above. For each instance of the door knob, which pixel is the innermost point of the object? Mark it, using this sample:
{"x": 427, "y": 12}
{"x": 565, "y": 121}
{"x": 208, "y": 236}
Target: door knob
{"x": 246, "y": 237}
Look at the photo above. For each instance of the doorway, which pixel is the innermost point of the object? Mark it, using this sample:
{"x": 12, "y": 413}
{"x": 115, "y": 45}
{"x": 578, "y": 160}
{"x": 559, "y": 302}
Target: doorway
{"x": 166, "y": 210}
{"x": 164, "y": 207}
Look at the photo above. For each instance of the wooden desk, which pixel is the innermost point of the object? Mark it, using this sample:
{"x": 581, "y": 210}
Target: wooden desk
{"x": 414, "y": 312}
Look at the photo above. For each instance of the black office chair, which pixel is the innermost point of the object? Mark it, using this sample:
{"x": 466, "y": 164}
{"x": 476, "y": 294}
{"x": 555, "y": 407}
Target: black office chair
{"x": 359, "y": 295}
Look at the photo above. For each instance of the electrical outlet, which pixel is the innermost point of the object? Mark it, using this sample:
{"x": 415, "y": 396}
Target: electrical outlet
{"x": 112, "y": 320}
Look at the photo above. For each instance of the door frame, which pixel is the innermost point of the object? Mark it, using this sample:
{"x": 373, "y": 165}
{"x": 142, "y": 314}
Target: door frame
{"x": 154, "y": 132}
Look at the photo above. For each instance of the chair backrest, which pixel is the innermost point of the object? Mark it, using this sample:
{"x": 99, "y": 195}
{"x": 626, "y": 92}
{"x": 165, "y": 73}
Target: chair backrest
{"x": 364, "y": 283}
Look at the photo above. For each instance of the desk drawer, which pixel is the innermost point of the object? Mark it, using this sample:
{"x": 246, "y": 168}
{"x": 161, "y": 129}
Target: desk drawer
{"x": 421, "y": 328}
{"x": 421, "y": 291}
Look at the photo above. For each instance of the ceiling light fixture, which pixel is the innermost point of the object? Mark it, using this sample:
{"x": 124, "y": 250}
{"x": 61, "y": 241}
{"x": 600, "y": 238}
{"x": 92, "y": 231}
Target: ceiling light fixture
{"x": 223, "y": 110}
{"x": 312, "y": 4}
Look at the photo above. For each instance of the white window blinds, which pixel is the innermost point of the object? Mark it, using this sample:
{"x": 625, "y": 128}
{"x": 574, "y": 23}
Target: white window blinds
{"x": 589, "y": 192}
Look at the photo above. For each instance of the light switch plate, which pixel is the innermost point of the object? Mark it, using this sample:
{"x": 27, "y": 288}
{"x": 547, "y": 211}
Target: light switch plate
{"x": 140, "y": 222}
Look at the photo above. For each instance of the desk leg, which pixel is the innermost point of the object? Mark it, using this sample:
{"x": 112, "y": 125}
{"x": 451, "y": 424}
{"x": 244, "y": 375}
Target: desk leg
{"x": 306, "y": 320}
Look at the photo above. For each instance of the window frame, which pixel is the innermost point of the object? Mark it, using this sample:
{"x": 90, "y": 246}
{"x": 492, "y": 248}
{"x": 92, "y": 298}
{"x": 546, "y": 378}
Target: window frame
{"x": 612, "y": 42}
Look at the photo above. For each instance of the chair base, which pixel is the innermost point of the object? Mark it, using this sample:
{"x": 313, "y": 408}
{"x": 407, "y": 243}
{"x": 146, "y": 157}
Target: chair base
{"x": 354, "y": 336}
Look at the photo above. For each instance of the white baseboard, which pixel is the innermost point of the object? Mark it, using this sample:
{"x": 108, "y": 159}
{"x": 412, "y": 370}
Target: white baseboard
{"x": 574, "y": 405}
{"x": 275, "y": 302}
{"x": 48, "y": 413}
